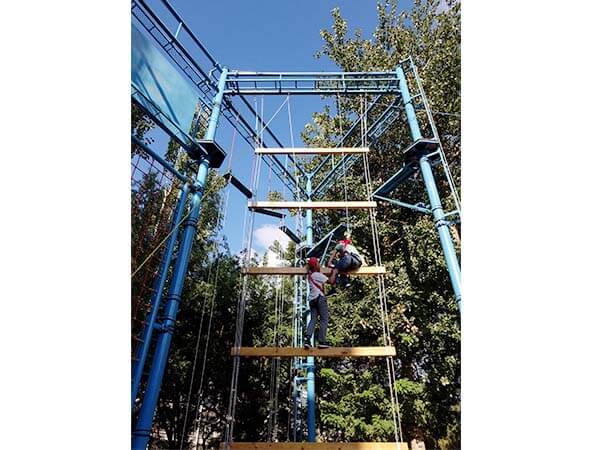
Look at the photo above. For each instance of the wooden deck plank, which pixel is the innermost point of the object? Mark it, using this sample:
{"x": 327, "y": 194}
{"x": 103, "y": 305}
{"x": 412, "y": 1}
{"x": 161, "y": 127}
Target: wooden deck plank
{"x": 263, "y": 270}
{"x": 332, "y": 352}
{"x": 316, "y": 446}
{"x": 312, "y": 151}
{"x": 312, "y": 205}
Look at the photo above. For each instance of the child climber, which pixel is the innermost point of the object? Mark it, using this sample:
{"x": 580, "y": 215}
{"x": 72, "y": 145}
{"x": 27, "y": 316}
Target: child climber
{"x": 348, "y": 260}
{"x": 317, "y": 303}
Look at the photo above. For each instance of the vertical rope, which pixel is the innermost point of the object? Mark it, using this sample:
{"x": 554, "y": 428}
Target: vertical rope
{"x": 241, "y": 306}
{"x": 348, "y": 230}
{"x": 381, "y": 290}
{"x": 222, "y": 211}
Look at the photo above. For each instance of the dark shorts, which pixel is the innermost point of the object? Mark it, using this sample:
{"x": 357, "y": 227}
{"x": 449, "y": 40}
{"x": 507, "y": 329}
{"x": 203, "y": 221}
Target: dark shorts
{"x": 347, "y": 263}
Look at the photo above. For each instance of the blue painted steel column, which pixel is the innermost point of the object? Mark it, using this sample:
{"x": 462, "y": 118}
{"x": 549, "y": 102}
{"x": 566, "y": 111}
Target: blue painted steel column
{"x": 141, "y": 435}
{"x": 143, "y": 348}
{"x": 434, "y": 198}
{"x": 310, "y": 361}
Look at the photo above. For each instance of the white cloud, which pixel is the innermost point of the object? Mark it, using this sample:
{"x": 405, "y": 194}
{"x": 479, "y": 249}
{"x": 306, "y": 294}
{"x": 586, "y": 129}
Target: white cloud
{"x": 273, "y": 260}
{"x": 267, "y": 234}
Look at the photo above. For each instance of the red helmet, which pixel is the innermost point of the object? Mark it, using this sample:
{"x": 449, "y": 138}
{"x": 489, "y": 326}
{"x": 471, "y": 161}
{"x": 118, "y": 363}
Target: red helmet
{"x": 313, "y": 264}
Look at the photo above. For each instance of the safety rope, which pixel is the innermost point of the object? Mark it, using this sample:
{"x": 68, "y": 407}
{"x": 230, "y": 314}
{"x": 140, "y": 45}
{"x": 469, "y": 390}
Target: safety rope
{"x": 348, "y": 229}
{"x": 241, "y": 306}
{"x": 383, "y": 304}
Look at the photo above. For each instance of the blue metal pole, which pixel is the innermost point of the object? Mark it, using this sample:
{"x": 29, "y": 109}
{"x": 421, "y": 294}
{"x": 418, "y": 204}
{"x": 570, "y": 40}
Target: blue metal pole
{"x": 141, "y": 435}
{"x": 434, "y": 198}
{"x": 144, "y": 347}
{"x": 310, "y": 361}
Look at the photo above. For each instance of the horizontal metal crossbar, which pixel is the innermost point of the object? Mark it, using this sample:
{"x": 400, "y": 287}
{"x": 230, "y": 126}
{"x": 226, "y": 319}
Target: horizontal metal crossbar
{"x": 311, "y": 83}
{"x": 315, "y": 446}
{"x": 312, "y": 151}
{"x": 332, "y": 352}
{"x": 313, "y": 205}
{"x": 263, "y": 270}
{"x": 417, "y": 207}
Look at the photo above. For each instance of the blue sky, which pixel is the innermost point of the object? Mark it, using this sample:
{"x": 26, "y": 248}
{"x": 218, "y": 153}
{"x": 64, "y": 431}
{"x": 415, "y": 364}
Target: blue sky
{"x": 267, "y": 35}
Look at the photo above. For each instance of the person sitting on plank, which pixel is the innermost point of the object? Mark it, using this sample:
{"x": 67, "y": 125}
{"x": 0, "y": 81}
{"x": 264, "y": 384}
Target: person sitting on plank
{"x": 348, "y": 260}
{"x": 317, "y": 303}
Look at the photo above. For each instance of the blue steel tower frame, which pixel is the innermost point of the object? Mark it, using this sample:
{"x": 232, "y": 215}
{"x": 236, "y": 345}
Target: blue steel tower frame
{"x": 222, "y": 91}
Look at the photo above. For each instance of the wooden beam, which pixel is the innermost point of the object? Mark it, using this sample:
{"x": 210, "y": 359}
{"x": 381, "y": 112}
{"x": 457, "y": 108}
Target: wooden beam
{"x": 312, "y": 205}
{"x": 316, "y": 446}
{"x": 331, "y": 352}
{"x": 262, "y": 270}
{"x": 312, "y": 151}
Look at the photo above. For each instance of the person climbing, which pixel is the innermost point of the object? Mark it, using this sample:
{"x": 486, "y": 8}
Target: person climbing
{"x": 317, "y": 303}
{"x": 348, "y": 260}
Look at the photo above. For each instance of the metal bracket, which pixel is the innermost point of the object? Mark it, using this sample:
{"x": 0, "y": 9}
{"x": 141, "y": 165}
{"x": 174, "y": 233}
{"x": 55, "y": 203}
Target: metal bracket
{"x": 442, "y": 223}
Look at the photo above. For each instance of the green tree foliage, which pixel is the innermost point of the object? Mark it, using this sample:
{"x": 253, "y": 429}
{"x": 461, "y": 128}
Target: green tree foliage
{"x": 423, "y": 315}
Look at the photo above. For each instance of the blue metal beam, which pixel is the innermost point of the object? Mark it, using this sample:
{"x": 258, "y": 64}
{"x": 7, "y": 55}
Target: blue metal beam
{"x": 348, "y": 161}
{"x": 434, "y": 199}
{"x": 144, "y": 347}
{"x": 311, "y": 83}
{"x": 141, "y": 435}
{"x": 310, "y": 361}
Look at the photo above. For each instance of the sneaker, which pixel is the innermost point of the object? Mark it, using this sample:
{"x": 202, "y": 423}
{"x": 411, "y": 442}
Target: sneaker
{"x": 324, "y": 344}
{"x": 331, "y": 292}
{"x": 306, "y": 344}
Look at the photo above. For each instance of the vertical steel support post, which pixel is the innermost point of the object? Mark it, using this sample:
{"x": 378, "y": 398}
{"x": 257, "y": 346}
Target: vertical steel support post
{"x": 434, "y": 198}
{"x": 144, "y": 347}
{"x": 141, "y": 435}
{"x": 310, "y": 361}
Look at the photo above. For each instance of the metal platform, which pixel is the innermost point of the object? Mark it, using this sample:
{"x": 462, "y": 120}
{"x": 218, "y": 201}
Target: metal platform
{"x": 213, "y": 151}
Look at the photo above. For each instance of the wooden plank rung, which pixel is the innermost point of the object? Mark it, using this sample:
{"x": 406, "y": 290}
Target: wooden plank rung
{"x": 312, "y": 205}
{"x": 331, "y": 352}
{"x": 264, "y": 270}
{"x": 312, "y": 151}
{"x": 316, "y": 446}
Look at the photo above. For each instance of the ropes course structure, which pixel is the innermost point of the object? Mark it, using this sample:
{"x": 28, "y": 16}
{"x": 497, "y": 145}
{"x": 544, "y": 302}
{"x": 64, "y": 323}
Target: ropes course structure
{"x": 169, "y": 217}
